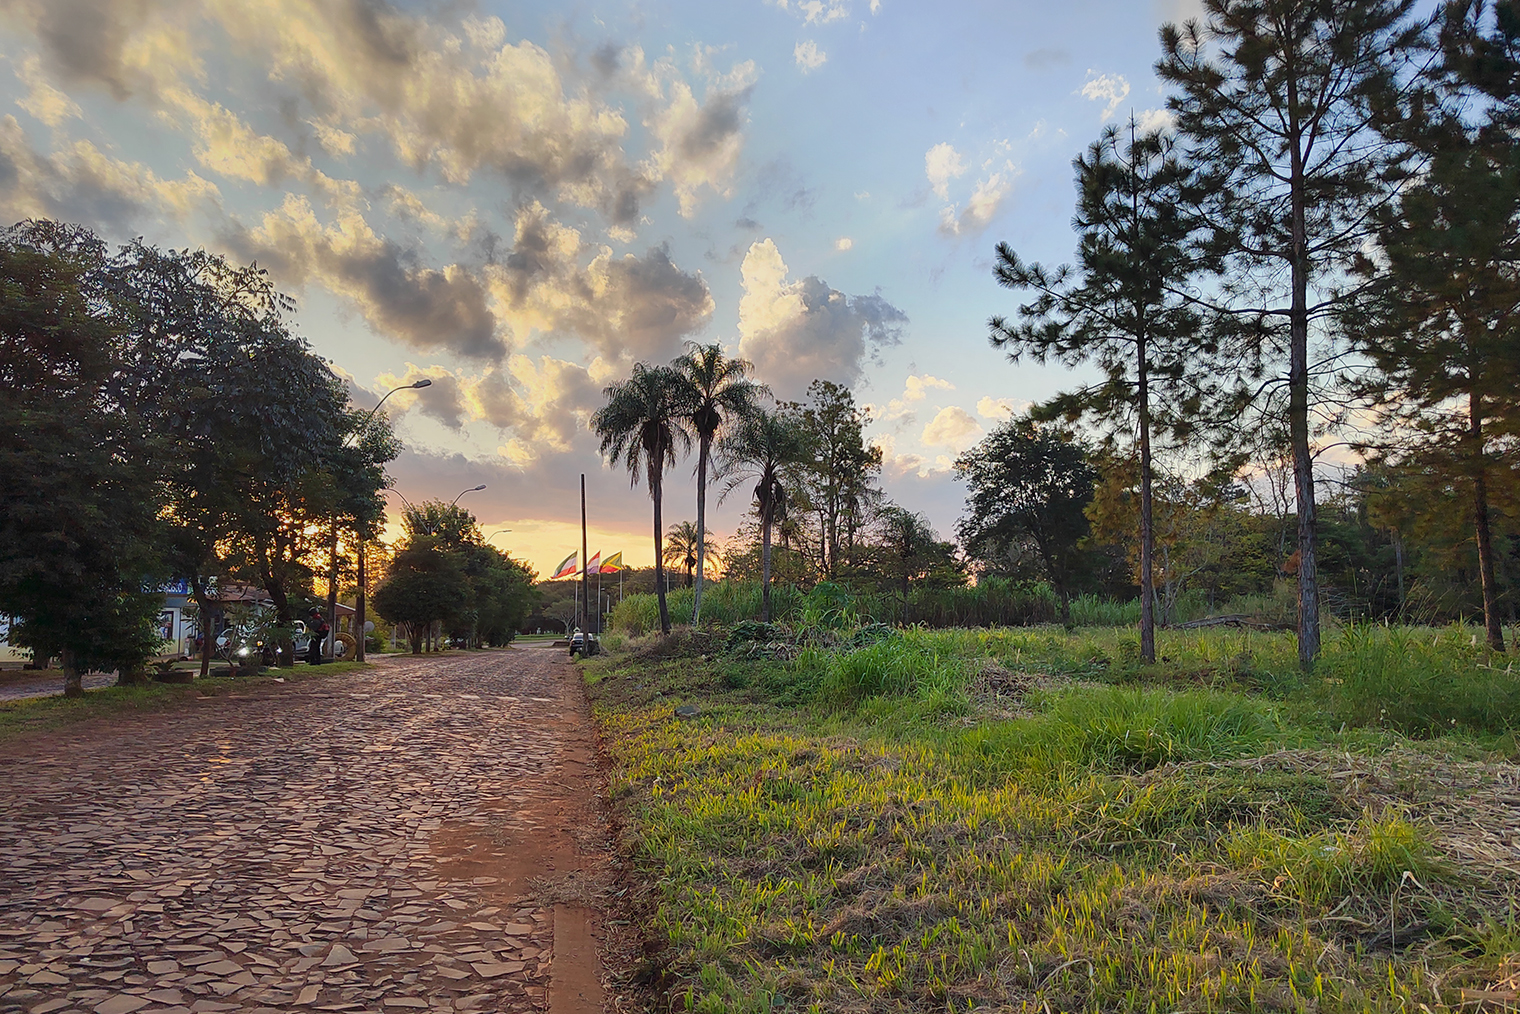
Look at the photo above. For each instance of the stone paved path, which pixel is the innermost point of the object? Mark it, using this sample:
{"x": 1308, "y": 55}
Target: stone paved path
{"x": 387, "y": 841}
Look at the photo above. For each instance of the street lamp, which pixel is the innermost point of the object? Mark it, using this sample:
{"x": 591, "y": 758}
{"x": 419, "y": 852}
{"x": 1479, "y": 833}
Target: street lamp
{"x": 499, "y": 531}
{"x": 332, "y": 586}
{"x": 472, "y": 489}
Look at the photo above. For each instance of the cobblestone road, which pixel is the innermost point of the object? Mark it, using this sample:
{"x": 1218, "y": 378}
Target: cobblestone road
{"x": 386, "y": 841}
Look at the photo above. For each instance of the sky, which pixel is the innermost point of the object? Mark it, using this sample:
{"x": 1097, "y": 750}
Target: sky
{"x": 521, "y": 200}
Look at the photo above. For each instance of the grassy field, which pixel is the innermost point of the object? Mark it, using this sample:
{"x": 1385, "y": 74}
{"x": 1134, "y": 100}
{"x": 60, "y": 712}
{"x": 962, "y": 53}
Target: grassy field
{"x": 1030, "y": 819}
{"x": 22, "y": 718}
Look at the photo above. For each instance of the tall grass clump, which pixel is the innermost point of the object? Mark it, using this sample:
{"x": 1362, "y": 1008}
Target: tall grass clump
{"x": 723, "y": 602}
{"x": 1372, "y": 856}
{"x": 1419, "y": 681}
{"x": 904, "y": 665}
{"x": 1126, "y": 729}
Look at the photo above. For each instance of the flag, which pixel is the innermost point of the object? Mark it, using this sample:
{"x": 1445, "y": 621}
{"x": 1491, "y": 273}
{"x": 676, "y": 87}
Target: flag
{"x": 566, "y": 566}
{"x": 613, "y": 564}
{"x": 593, "y": 563}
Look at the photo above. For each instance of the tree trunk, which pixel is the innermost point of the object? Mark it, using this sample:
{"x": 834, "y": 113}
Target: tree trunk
{"x": 696, "y": 597}
{"x": 1298, "y": 405}
{"x": 1147, "y": 525}
{"x": 1398, "y": 566}
{"x": 359, "y": 635}
{"x": 765, "y": 568}
{"x": 73, "y": 679}
{"x": 276, "y": 593}
{"x": 655, "y": 491}
{"x": 1491, "y": 622}
{"x": 331, "y": 647}
{"x": 203, "y": 599}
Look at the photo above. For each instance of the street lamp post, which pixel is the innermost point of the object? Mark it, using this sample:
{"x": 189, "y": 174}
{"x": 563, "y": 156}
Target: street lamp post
{"x": 332, "y": 585}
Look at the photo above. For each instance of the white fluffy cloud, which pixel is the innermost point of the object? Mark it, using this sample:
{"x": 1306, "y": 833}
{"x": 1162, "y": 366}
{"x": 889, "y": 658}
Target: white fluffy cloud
{"x": 999, "y": 409}
{"x": 1110, "y": 88}
{"x": 798, "y": 331}
{"x": 942, "y": 163}
{"x": 808, "y": 56}
{"x": 952, "y": 427}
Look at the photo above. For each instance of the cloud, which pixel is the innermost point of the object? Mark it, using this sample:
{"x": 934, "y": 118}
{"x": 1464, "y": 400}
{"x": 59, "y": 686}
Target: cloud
{"x": 1177, "y": 10}
{"x": 952, "y": 427}
{"x": 539, "y": 406}
{"x": 915, "y": 389}
{"x": 626, "y": 307}
{"x": 1156, "y": 119}
{"x": 986, "y": 199}
{"x": 942, "y": 163}
{"x": 844, "y": 243}
{"x": 809, "y": 57}
{"x": 424, "y": 307}
{"x": 81, "y": 183}
{"x": 700, "y": 143}
{"x": 999, "y": 409}
{"x": 798, "y": 331}
{"x": 42, "y": 100}
{"x": 1110, "y": 88}
{"x": 819, "y": 12}
{"x": 456, "y": 99}
{"x": 133, "y": 47}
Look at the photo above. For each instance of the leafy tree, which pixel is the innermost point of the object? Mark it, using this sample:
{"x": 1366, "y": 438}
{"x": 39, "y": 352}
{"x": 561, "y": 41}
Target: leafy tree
{"x": 503, "y": 592}
{"x": 837, "y": 471}
{"x": 1121, "y": 310}
{"x": 683, "y": 543}
{"x": 717, "y": 392}
{"x": 909, "y": 547}
{"x": 1029, "y": 483}
{"x": 426, "y": 585}
{"x": 644, "y": 424}
{"x": 79, "y": 529}
{"x": 765, "y": 449}
{"x": 1448, "y": 330}
{"x": 1278, "y": 106}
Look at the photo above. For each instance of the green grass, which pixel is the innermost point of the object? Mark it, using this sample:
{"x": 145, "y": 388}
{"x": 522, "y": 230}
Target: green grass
{"x": 46, "y": 714}
{"x": 861, "y": 829}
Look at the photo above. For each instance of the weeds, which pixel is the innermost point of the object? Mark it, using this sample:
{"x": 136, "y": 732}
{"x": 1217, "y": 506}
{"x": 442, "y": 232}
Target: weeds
{"x": 843, "y": 831}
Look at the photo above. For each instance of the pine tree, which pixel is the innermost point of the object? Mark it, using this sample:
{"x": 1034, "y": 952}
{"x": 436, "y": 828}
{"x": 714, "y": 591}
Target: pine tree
{"x": 1121, "y": 310}
{"x": 1279, "y": 106}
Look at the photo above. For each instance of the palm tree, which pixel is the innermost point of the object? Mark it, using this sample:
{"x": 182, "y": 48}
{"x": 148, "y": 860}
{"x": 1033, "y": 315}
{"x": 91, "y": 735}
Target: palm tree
{"x": 717, "y": 390}
{"x": 681, "y": 544}
{"x": 644, "y": 423}
{"x": 763, "y": 448}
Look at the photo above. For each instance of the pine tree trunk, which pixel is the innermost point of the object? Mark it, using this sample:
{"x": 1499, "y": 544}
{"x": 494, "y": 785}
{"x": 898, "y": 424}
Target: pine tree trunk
{"x": 696, "y": 597}
{"x": 1298, "y": 406}
{"x": 1493, "y": 626}
{"x": 659, "y": 553}
{"x": 73, "y": 679}
{"x": 1147, "y": 526}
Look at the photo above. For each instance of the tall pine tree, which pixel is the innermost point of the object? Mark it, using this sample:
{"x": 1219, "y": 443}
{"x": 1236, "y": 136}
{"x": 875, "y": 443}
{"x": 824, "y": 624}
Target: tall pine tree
{"x": 1119, "y": 310}
{"x": 1278, "y": 103}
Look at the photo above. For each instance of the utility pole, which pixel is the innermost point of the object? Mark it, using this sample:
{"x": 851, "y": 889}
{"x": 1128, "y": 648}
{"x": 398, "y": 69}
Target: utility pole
{"x": 585, "y": 574}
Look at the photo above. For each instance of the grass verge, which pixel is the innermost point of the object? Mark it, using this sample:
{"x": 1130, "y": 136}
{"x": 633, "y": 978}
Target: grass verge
{"x": 1030, "y": 820}
{"x": 45, "y": 714}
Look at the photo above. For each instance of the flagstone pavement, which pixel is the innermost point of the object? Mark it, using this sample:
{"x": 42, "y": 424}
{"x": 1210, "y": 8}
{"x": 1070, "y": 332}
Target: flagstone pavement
{"x": 385, "y": 841}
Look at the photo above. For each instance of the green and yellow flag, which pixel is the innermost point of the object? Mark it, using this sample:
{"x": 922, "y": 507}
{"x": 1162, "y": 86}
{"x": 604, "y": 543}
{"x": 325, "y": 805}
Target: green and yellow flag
{"x": 612, "y": 564}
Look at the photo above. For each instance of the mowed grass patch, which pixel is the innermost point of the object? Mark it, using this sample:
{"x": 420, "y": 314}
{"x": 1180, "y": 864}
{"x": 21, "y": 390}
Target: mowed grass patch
{"x": 45, "y": 714}
{"x": 831, "y": 835}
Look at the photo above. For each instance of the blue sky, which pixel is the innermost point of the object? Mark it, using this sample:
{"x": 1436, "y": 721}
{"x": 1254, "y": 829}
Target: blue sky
{"x": 521, "y": 200}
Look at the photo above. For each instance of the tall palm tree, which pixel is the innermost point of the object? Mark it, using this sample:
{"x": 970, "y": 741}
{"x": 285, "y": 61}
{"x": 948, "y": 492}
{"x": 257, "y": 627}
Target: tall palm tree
{"x": 718, "y": 390}
{"x": 645, "y": 422}
{"x": 681, "y": 544}
{"x": 763, "y": 447}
